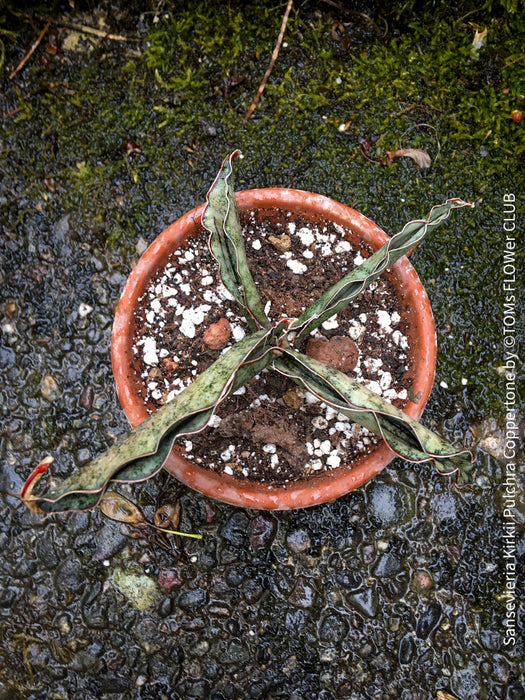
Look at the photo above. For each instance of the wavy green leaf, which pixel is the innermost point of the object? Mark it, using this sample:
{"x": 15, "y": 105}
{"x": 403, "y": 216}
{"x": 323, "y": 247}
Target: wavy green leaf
{"x": 221, "y": 219}
{"x": 336, "y": 298}
{"x": 142, "y": 453}
{"x": 405, "y": 436}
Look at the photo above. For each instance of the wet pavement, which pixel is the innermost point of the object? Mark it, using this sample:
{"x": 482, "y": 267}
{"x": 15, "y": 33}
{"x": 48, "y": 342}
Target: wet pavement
{"x": 394, "y": 591}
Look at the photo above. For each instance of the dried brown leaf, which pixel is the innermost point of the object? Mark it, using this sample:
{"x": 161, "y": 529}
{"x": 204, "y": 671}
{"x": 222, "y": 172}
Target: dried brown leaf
{"x": 167, "y": 516}
{"x": 480, "y": 37}
{"x": 119, "y": 508}
{"x": 417, "y": 154}
{"x": 443, "y": 695}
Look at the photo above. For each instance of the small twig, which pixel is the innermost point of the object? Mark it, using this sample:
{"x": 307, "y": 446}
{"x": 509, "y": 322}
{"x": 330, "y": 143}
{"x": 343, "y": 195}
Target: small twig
{"x": 91, "y": 30}
{"x": 333, "y": 4}
{"x": 12, "y": 113}
{"x": 272, "y": 62}
{"x": 366, "y": 154}
{"x": 514, "y": 61}
{"x": 30, "y": 52}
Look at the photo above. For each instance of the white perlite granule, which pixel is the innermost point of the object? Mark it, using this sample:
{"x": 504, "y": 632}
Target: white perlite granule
{"x": 149, "y": 351}
{"x": 296, "y": 267}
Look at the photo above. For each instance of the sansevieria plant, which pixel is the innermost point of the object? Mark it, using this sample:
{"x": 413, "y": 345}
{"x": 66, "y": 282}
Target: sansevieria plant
{"x": 277, "y": 346}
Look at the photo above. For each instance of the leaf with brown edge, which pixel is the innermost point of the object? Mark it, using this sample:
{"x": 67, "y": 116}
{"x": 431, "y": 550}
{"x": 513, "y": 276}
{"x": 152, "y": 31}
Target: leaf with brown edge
{"x": 405, "y": 436}
{"x": 226, "y": 244}
{"x": 355, "y": 282}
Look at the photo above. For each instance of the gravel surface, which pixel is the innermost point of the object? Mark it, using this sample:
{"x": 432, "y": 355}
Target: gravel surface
{"x": 394, "y": 591}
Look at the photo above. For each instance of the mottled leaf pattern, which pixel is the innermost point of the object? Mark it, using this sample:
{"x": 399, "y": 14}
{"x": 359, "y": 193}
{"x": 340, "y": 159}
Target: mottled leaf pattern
{"x": 405, "y": 436}
{"x": 340, "y": 295}
{"x": 221, "y": 219}
{"x": 142, "y": 453}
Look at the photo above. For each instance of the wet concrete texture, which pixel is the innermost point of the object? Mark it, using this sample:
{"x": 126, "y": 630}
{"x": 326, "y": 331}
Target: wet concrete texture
{"x": 394, "y": 591}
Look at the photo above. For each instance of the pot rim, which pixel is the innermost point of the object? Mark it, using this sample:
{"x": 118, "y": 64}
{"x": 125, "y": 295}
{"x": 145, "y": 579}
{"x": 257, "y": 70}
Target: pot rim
{"x": 331, "y": 484}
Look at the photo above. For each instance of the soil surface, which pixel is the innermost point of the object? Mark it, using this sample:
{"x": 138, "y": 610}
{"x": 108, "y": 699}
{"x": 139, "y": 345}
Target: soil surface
{"x": 271, "y": 430}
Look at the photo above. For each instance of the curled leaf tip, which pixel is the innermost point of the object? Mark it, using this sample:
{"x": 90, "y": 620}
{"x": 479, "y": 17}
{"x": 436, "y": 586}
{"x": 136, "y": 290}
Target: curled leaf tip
{"x": 32, "y": 480}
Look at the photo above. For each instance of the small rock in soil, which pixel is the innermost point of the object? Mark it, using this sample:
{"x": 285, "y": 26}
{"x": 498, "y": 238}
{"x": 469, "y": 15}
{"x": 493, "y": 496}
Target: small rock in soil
{"x": 407, "y": 649}
{"x": 333, "y": 627}
{"x": 466, "y": 683}
{"x": 49, "y": 388}
{"x": 365, "y": 602}
{"x": 298, "y": 541}
{"x": 169, "y": 580}
{"x": 86, "y": 397}
{"x": 281, "y": 243}
{"x": 46, "y": 551}
{"x": 252, "y": 591}
{"x": 218, "y": 335}
{"x": 83, "y": 456}
{"x": 428, "y": 620}
{"x": 94, "y": 608}
{"x": 388, "y": 565}
{"x": 339, "y": 352}
{"x": 303, "y": 595}
{"x": 444, "y": 507}
{"x": 146, "y": 633}
{"x": 168, "y": 366}
{"x": 193, "y": 600}
{"x": 291, "y": 398}
{"x": 70, "y": 575}
{"x": 235, "y": 528}
{"x": 422, "y": 581}
{"x": 139, "y": 589}
{"x": 109, "y": 540}
{"x": 350, "y": 580}
{"x": 389, "y": 503}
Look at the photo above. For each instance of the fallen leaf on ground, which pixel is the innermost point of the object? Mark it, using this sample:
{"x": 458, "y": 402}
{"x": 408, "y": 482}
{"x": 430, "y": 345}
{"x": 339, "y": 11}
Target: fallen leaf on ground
{"x": 119, "y": 508}
{"x": 417, "y": 154}
{"x": 167, "y": 516}
{"x": 480, "y": 38}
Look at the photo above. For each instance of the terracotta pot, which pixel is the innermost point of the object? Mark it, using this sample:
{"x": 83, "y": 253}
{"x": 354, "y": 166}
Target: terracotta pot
{"x": 328, "y": 485}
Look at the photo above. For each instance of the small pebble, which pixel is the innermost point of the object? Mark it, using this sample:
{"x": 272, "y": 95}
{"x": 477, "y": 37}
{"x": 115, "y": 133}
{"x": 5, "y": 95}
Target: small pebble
{"x": 262, "y": 531}
{"x": 49, "y": 388}
{"x": 339, "y": 352}
{"x": 281, "y": 243}
{"x": 84, "y": 310}
{"x": 218, "y": 334}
